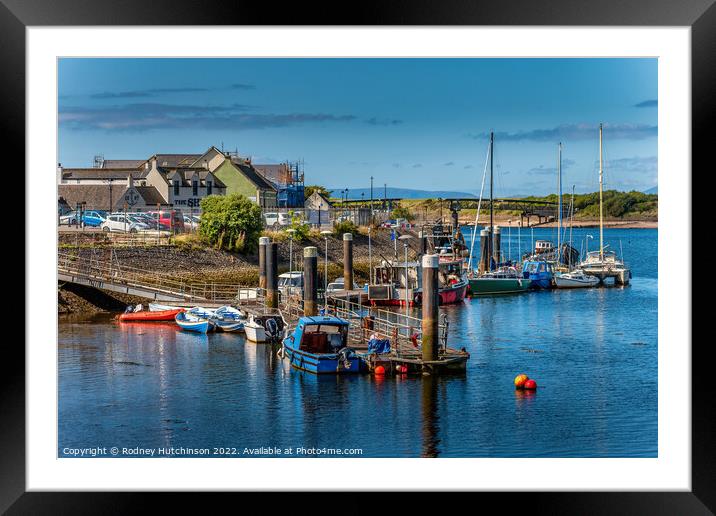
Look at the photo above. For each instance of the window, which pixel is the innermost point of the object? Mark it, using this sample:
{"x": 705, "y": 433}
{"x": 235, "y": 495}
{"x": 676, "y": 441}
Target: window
{"x": 208, "y": 188}
{"x": 176, "y": 187}
{"x": 195, "y": 188}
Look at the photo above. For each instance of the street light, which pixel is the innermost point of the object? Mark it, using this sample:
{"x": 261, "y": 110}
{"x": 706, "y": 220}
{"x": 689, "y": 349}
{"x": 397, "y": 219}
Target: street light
{"x": 370, "y": 257}
{"x": 325, "y": 234}
{"x": 509, "y": 239}
{"x": 405, "y": 239}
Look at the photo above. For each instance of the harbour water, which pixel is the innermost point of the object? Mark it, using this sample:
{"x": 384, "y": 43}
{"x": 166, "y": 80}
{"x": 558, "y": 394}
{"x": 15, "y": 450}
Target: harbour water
{"x": 593, "y": 353}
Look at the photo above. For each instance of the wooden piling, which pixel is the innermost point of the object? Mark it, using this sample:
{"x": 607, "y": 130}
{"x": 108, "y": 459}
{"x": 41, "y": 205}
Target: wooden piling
{"x": 263, "y": 242}
{"x": 496, "y": 244}
{"x": 484, "y": 251}
{"x": 272, "y": 275}
{"x": 423, "y": 243}
{"x": 347, "y": 261}
{"x": 310, "y": 281}
{"x": 430, "y": 301}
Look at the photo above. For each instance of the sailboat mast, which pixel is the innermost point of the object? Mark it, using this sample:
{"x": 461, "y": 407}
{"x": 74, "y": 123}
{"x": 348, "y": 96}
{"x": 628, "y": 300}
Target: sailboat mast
{"x": 601, "y": 208}
{"x": 492, "y": 222}
{"x": 559, "y": 180}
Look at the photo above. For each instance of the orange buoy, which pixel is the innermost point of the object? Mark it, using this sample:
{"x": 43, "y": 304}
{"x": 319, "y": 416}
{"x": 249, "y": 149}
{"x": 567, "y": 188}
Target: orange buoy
{"x": 379, "y": 370}
{"x": 520, "y": 380}
{"x": 530, "y": 385}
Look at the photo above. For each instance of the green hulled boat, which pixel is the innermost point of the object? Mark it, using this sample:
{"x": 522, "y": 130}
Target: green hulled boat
{"x": 498, "y": 282}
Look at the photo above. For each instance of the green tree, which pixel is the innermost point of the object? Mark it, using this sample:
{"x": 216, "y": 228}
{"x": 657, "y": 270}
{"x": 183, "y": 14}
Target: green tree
{"x": 230, "y": 222}
{"x": 401, "y": 212}
{"x": 309, "y": 189}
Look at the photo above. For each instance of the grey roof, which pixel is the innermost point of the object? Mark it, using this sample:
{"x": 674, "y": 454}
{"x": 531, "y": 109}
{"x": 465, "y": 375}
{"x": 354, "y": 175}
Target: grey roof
{"x": 252, "y": 175}
{"x": 102, "y": 173}
{"x": 97, "y": 197}
{"x": 123, "y": 163}
{"x": 176, "y": 160}
{"x": 150, "y": 195}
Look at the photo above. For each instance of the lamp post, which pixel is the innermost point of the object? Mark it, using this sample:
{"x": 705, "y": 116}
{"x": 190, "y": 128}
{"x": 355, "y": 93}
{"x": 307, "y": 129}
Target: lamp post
{"x": 325, "y": 234}
{"x": 509, "y": 240}
{"x": 405, "y": 239}
{"x": 371, "y": 199}
{"x": 370, "y": 257}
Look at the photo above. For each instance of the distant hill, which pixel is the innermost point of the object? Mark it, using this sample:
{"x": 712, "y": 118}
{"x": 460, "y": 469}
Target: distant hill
{"x": 654, "y": 190}
{"x": 402, "y": 193}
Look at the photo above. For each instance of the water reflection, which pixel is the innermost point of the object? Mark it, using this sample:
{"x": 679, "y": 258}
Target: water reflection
{"x": 430, "y": 417}
{"x": 593, "y": 353}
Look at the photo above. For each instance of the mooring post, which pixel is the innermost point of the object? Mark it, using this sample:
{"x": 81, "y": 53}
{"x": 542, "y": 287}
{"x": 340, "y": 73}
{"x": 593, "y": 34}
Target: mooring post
{"x": 347, "y": 261}
{"x": 272, "y": 275}
{"x": 423, "y": 243}
{"x": 497, "y": 236}
{"x": 263, "y": 242}
{"x": 484, "y": 251}
{"x": 430, "y": 307}
{"x": 310, "y": 281}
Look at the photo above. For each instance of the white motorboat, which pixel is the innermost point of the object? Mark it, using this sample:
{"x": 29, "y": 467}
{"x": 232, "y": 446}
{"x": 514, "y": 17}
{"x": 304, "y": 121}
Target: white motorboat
{"x": 265, "y": 327}
{"x": 575, "y": 279}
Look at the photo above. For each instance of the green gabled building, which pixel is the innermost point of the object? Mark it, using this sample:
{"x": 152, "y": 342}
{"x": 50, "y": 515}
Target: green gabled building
{"x": 241, "y": 177}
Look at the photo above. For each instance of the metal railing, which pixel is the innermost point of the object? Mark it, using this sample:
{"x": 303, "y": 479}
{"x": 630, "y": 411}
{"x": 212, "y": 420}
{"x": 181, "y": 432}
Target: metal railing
{"x": 110, "y": 271}
{"x": 403, "y": 331}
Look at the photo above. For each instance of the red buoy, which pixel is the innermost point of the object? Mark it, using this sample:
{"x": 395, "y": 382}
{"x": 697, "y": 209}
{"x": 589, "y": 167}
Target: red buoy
{"x": 520, "y": 380}
{"x": 530, "y": 385}
{"x": 379, "y": 370}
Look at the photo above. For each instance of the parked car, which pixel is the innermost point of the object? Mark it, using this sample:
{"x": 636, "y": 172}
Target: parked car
{"x": 338, "y": 285}
{"x": 191, "y": 222}
{"x": 171, "y": 218}
{"x": 69, "y": 219}
{"x": 123, "y": 223}
{"x": 276, "y": 220}
{"x": 93, "y": 218}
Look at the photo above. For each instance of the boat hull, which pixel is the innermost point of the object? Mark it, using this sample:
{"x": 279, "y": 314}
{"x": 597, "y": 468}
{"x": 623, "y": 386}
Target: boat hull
{"x": 229, "y": 326}
{"x": 255, "y": 333}
{"x": 497, "y": 286}
{"x": 321, "y": 363}
{"x": 446, "y": 296}
{"x": 164, "y": 315}
{"x": 541, "y": 281}
{"x": 197, "y": 326}
{"x": 562, "y": 282}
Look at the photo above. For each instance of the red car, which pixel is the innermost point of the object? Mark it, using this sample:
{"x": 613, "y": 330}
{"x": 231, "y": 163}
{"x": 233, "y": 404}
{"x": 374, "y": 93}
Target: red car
{"x": 170, "y": 218}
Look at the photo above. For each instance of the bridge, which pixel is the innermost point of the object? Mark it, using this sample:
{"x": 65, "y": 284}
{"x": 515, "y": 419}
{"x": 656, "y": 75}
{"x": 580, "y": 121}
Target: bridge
{"x": 543, "y": 211}
{"x": 108, "y": 274}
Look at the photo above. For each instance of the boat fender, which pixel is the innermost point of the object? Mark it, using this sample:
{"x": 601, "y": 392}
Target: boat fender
{"x": 414, "y": 339}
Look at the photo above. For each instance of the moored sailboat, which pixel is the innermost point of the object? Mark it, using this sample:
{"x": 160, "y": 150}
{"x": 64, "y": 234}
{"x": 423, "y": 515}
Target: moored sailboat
{"x": 602, "y": 263}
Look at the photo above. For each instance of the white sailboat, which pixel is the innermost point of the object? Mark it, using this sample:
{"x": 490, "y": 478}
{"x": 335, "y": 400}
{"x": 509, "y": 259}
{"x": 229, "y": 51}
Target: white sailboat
{"x": 602, "y": 263}
{"x": 574, "y": 278}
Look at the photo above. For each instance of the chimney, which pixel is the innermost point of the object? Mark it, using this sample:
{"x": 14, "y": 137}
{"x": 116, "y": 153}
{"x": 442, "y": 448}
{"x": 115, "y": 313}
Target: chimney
{"x": 130, "y": 181}
{"x": 59, "y": 173}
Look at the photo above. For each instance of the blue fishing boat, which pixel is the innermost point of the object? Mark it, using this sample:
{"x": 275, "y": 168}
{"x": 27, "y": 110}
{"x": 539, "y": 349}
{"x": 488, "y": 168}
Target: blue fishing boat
{"x": 319, "y": 345}
{"x": 539, "y": 272}
{"x": 228, "y": 318}
{"x": 192, "y": 322}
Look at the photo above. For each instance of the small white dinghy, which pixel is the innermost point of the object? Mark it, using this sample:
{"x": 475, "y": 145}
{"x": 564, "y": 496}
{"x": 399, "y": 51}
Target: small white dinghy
{"x": 575, "y": 279}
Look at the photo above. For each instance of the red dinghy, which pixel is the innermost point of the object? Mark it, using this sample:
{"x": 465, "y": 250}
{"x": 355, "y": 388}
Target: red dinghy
{"x": 162, "y": 315}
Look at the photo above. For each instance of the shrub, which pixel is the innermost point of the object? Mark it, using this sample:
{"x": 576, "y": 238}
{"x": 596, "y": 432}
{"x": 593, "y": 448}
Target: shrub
{"x": 401, "y": 212}
{"x": 345, "y": 226}
{"x": 230, "y": 222}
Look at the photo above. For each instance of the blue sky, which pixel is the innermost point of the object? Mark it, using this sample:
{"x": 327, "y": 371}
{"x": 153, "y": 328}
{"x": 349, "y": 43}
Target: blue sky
{"x": 410, "y": 123}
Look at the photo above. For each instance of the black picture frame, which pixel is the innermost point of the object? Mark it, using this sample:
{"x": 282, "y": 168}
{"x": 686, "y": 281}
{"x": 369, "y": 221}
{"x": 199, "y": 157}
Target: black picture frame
{"x": 700, "y": 15}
